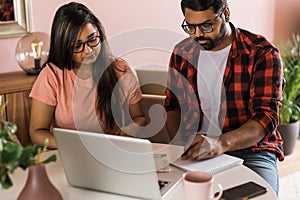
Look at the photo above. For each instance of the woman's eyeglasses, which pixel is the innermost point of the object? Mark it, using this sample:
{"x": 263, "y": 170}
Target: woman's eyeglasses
{"x": 91, "y": 42}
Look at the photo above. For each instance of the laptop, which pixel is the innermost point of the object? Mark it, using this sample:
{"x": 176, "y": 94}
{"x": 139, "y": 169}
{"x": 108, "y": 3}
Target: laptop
{"x": 113, "y": 164}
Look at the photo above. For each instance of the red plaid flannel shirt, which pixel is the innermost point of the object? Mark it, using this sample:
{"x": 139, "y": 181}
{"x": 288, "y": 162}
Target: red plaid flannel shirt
{"x": 252, "y": 80}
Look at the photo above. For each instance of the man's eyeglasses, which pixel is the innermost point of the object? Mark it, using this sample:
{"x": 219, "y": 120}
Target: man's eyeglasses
{"x": 206, "y": 27}
{"x": 91, "y": 42}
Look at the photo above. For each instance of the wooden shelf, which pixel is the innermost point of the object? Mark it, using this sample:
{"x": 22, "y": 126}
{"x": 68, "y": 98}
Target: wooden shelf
{"x": 15, "y": 82}
{"x": 15, "y": 88}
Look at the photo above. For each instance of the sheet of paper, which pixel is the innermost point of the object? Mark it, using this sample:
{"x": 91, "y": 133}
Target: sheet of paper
{"x": 162, "y": 162}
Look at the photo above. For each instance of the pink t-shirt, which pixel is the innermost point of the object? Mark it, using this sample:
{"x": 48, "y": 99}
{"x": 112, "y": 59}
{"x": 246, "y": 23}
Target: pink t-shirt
{"x": 74, "y": 98}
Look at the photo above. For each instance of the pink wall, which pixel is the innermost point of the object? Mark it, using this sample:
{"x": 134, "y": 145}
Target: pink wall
{"x": 134, "y": 27}
{"x": 288, "y": 21}
{"x": 255, "y": 15}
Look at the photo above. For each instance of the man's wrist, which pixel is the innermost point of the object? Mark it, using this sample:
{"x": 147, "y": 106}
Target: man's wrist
{"x": 224, "y": 143}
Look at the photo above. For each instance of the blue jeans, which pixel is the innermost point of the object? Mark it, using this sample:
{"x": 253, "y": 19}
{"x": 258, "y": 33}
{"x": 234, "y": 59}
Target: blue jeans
{"x": 263, "y": 163}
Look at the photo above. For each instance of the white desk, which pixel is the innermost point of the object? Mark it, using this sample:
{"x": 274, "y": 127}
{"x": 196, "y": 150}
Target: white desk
{"x": 228, "y": 178}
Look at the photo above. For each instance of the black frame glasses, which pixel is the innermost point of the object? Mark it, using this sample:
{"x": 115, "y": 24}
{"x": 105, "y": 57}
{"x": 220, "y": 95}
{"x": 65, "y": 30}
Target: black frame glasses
{"x": 91, "y": 42}
{"x": 206, "y": 27}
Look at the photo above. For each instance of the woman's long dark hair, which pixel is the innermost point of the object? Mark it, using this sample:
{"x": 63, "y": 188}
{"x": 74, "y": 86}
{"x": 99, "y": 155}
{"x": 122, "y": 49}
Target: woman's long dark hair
{"x": 68, "y": 21}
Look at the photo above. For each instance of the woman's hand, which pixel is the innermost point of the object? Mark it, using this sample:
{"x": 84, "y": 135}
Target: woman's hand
{"x": 119, "y": 132}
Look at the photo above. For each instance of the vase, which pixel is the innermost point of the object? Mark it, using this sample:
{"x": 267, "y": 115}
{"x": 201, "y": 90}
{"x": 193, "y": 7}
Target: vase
{"x": 38, "y": 186}
{"x": 289, "y": 133}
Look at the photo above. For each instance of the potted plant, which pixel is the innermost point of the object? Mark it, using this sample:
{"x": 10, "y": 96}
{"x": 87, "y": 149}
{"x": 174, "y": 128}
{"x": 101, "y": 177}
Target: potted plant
{"x": 289, "y": 114}
{"x": 13, "y": 155}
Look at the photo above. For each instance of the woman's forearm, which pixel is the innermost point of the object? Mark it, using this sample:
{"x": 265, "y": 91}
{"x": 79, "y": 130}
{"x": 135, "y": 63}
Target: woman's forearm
{"x": 39, "y": 136}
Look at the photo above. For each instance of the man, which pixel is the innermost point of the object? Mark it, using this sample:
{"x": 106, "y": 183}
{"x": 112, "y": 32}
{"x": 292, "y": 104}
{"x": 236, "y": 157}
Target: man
{"x": 224, "y": 91}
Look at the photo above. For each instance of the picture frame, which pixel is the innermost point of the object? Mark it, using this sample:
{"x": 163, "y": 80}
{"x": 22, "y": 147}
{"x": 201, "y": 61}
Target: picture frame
{"x": 21, "y": 24}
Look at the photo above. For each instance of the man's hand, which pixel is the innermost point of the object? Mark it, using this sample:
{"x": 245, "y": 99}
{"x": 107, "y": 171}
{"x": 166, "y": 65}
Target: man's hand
{"x": 202, "y": 147}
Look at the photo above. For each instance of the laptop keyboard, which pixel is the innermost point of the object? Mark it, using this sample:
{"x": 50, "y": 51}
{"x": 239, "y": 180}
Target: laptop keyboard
{"x": 162, "y": 184}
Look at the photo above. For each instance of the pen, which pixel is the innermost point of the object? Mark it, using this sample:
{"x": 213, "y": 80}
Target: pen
{"x": 187, "y": 150}
{"x": 191, "y": 146}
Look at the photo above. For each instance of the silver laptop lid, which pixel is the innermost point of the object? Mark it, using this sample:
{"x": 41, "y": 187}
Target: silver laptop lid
{"x": 108, "y": 163}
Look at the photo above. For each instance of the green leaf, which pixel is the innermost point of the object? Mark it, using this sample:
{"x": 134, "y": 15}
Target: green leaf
{"x": 2, "y": 107}
{"x": 11, "y": 152}
{"x": 11, "y": 127}
{"x": 5, "y": 181}
{"x": 28, "y": 156}
{"x": 52, "y": 158}
{"x": 29, "y": 151}
{"x": 12, "y": 166}
{"x": 1, "y": 145}
{"x": 28, "y": 162}
{"x": 289, "y": 111}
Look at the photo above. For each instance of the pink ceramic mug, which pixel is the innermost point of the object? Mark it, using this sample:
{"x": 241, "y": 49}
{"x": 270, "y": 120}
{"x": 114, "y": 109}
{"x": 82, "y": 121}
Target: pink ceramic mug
{"x": 200, "y": 185}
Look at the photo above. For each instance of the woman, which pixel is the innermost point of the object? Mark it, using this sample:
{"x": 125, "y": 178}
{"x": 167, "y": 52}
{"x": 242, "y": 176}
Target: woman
{"x": 81, "y": 82}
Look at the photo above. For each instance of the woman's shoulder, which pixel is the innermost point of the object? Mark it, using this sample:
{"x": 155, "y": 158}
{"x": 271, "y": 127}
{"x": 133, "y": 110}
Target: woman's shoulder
{"x": 122, "y": 67}
{"x": 52, "y": 74}
{"x": 51, "y": 68}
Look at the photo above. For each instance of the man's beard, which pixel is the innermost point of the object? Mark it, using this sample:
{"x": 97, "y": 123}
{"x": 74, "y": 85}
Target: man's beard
{"x": 210, "y": 42}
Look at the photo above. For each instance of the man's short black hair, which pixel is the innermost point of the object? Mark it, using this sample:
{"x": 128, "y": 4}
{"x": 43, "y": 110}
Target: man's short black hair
{"x": 201, "y": 5}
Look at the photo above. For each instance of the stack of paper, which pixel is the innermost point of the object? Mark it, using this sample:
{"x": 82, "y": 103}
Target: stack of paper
{"x": 212, "y": 165}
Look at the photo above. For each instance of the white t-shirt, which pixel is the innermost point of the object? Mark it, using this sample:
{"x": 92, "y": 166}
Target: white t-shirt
{"x": 210, "y": 72}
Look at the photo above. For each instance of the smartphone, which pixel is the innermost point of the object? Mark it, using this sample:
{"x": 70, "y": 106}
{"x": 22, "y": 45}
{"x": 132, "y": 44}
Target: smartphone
{"x": 243, "y": 191}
